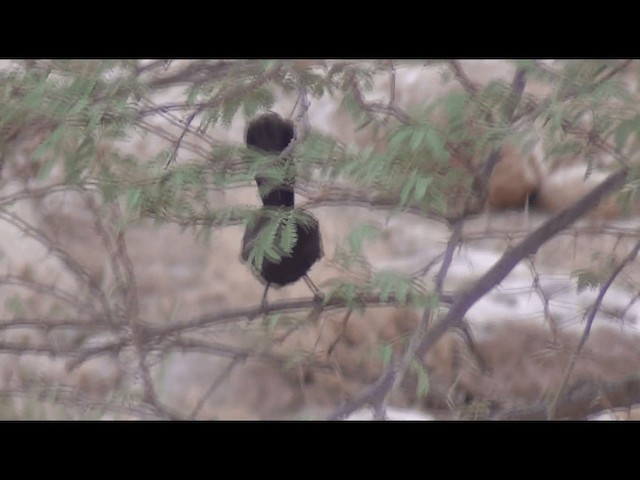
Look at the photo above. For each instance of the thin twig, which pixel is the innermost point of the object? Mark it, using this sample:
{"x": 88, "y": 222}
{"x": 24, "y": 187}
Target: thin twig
{"x": 44, "y": 289}
{"x": 518, "y": 84}
{"x": 112, "y": 347}
{"x": 544, "y": 299}
{"x": 587, "y": 328}
{"x": 467, "y": 335}
{"x": 392, "y": 84}
{"x": 430, "y": 264}
{"x": 185, "y": 129}
{"x": 512, "y": 257}
{"x": 232, "y": 315}
{"x": 367, "y": 396}
{"x": 466, "y": 299}
{"x": 614, "y": 71}
{"x": 585, "y": 397}
{"x": 193, "y": 73}
{"x": 454, "y": 241}
{"x": 48, "y": 324}
{"x": 105, "y": 236}
{"x": 68, "y": 395}
{"x": 214, "y": 386}
{"x": 342, "y": 327}
{"x": 79, "y": 272}
{"x": 129, "y": 290}
{"x": 462, "y": 77}
{"x": 387, "y": 110}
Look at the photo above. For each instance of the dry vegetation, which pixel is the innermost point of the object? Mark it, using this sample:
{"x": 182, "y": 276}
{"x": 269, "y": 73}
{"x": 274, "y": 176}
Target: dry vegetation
{"x": 159, "y": 320}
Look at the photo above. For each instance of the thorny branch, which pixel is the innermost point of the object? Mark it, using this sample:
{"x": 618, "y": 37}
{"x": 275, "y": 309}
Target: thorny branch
{"x": 44, "y": 289}
{"x": 69, "y": 396}
{"x": 466, "y": 299}
{"x": 144, "y": 337}
{"x": 79, "y": 271}
{"x": 591, "y": 315}
{"x": 185, "y": 129}
{"x": 544, "y": 298}
{"x": 462, "y": 77}
{"x": 582, "y": 398}
{"x": 387, "y": 110}
{"x": 510, "y": 259}
{"x": 129, "y": 292}
{"x": 391, "y": 379}
{"x": 214, "y": 386}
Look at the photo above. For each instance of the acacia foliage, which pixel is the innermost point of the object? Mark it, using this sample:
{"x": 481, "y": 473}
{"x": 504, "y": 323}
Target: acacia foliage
{"x": 433, "y": 158}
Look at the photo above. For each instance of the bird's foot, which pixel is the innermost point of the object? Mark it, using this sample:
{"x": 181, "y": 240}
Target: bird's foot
{"x": 318, "y": 296}
{"x": 264, "y": 306}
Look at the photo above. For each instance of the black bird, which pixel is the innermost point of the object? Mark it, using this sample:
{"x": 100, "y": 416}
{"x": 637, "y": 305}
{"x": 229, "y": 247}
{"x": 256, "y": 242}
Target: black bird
{"x": 272, "y": 134}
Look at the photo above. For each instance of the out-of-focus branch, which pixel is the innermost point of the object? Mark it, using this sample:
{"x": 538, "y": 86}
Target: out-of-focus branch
{"x": 466, "y": 299}
{"x": 461, "y": 76}
{"x": 80, "y": 273}
{"x": 388, "y": 110}
{"x": 591, "y": 315}
{"x": 510, "y": 259}
{"x": 583, "y": 398}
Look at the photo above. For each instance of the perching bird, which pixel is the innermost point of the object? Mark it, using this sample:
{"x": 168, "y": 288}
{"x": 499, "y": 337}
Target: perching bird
{"x": 272, "y": 134}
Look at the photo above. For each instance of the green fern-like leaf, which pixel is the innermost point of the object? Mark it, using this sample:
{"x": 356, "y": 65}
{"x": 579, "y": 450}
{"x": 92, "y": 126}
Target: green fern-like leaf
{"x": 586, "y": 279}
{"x": 422, "y": 388}
{"x": 350, "y": 292}
{"x": 391, "y": 283}
{"x": 422, "y": 183}
{"x": 259, "y": 99}
{"x": 386, "y": 353}
{"x": 288, "y": 233}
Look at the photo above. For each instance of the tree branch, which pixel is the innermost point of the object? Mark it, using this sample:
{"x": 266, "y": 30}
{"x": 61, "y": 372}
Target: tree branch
{"x": 587, "y": 328}
{"x": 583, "y": 398}
{"x": 510, "y": 259}
{"x": 462, "y": 77}
{"x": 464, "y": 301}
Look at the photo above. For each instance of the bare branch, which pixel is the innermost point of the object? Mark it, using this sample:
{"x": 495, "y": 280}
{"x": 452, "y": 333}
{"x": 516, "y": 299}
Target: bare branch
{"x": 388, "y": 110}
{"x": 583, "y": 398}
{"x": 192, "y": 73}
{"x": 44, "y": 289}
{"x": 370, "y": 395}
{"x": 185, "y": 129}
{"x": 132, "y": 310}
{"x": 214, "y": 386}
{"x": 587, "y": 328}
{"x": 392, "y": 84}
{"x": 48, "y": 324}
{"x": 517, "y": 89}
{"x": 454, "y": 241}
{"x": 462, "y": 77}
{"x": 81, "y": 275}
{"x": 614, "y": 71}
{"x": 257, "y": 311}
{"x": 510, "y": 259}
{"x": 112, "y": 347}
{"x": 69, "y": 396}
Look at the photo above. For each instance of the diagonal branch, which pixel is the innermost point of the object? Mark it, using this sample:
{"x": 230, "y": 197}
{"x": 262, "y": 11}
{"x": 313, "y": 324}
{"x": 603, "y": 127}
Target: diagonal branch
{"x": 510, "y": 259}
{"x": 553, "y": 409}
{"x": 461, "y": 76}
{"x": 388, "y": 110}
{"x": 454, "y": 241}
{"x": 214, "y": 386}
{"x": 80, "y": 273}
{"x": 455, "y": 316}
